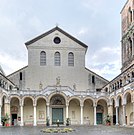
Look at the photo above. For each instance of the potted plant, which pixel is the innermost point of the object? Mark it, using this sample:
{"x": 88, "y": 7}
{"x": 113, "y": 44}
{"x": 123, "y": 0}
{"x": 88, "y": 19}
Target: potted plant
{"x": 108, "y": 120}
{"x": 58, "y": 123}
{"x": 67, "y": 121}
{"x": 5, "y": 120}
{"x": 47, "y": 121}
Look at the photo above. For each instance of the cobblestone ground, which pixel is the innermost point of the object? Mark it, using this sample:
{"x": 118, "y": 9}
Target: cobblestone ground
{"x": 79, "y": 130}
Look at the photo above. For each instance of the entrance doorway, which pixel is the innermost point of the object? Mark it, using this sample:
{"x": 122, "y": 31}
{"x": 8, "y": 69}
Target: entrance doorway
{"x": 14, "y": 119}
{"x": 57, "y": 114}
{"x": 99, "y": 118}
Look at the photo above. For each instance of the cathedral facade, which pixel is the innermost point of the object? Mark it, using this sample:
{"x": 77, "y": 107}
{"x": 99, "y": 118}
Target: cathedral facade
{"x": 56, "y": 85}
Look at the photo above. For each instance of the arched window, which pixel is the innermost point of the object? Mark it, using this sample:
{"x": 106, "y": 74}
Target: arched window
{"x": 20, "y": 76}
{"x": 130, "y": 14}
{"x": 70, "y": 59}
{"x": 130, "y": 43}
{"x": 42, "y": 58}
{"x": 57, "y": 59}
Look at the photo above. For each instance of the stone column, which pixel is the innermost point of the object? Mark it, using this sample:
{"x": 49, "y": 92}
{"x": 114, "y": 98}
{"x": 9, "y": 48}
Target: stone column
{"x": 0, "y": 115}
{"x": 133, "y": 43}
{"x": 110, "y": 112}
{"x": 21, "y": 114}
{"x": 48, "y": 110}
{"x": 95, "y": 115}
{"x": 21, "y": 111}
{"x": 124, "y": 115}
{"x": 35, "y": 121}
{"x": 66, "y": 111}
{"x": 133, "y": 113}
{"x": 81, "y": 120}
{"x": 117, "y": 113}
{"x": 7, "y": 109}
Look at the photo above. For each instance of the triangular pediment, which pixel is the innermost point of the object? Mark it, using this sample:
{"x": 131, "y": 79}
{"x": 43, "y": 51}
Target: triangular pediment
{"x": 51, "y": 31}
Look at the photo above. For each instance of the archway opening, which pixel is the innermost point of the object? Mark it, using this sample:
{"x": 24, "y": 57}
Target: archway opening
{"x": 3, "y": 106}
{"x": 41, "y": 111}
{"x": 114, "y": 111}
{"x": 14, "y": 111}
{"x": 88, "y": 114}
{"x": 101, "y": 111}
{"x": 57, "y": 105}
{"x": 28, "y": 111}
{"x": 129, "y": 110}
{"x": 74, "y": 111}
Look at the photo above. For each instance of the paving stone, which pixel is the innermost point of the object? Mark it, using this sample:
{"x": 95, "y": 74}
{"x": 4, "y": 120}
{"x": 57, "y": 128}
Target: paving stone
{"x": 79, "y": 130}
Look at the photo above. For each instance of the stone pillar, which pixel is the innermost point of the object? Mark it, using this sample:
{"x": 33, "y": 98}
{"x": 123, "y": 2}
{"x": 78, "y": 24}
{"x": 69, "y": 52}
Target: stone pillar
{"x": 81, "y": 120}
{"x": 66, "y": 111}
{"x": 95, "y": 115}
{"x": 117, "y": 113}
{"x": 0, "y": 115}
{"x": 48, "y": 110}
{"x": 110, "y": 112}
{"x": 133, "y": 43}
{"x": 35, "y": 121}
{"x": 124, "y": 115}
{"x": 21, "y": 114}
{"x": 133, "y": 113}
{"x": 7, "y": 109}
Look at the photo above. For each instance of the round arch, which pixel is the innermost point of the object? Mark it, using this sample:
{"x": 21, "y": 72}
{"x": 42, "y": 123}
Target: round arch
{"x": 118, "y": 97}
{"x": 54, "y": 93}
{"x": 23, "y": 99}
{"x": 15, "y": 96}
{"x": 89, "y": 98}
{"x": 102, "y": 98}
{"x": 111, "y": 100}
{"x": 75, "y": 98}
{"x": 125, "y": 95}
{"x": 39, "y": 97}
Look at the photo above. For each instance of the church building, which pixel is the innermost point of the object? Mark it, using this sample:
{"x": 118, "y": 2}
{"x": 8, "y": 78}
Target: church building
{"x": 56, "y": 85}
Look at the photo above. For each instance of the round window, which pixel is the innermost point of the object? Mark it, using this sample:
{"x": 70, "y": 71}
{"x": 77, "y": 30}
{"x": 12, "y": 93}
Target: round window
{"x": 57, "y": 40}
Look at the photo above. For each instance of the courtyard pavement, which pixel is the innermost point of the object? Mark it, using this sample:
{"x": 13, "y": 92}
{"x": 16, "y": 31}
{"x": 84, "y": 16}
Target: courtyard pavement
{"x": 79, "y": 130}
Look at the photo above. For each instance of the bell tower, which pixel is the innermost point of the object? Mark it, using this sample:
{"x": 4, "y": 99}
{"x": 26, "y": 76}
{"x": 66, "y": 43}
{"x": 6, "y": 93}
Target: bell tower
{"x": 127, "y": 41}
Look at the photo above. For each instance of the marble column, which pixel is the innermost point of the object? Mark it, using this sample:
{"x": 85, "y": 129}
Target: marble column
{"x": 35, "y": 121}
{"x": 81, "y": 121}
{"x": 95, "y": 115}
{"x": 124, "y": 115}
{"x": 66, "y": 111}
{"x": 117, "y": 115}
{"x": 110, "y": 112}
{"x": 48, "y": 110}
{"x": 0, "y": 115}
{"x": 133, "y": 113}
{"x": 21, "y": 113}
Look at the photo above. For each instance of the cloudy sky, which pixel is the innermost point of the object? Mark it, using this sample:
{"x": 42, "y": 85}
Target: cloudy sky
{"x": 96, "y": 23}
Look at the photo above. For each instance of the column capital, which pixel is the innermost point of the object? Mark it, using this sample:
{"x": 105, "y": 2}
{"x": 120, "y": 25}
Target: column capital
{"x": 47, "y": 103}
{"x": 21, "y": 104}
{"x": 34, "y": 105}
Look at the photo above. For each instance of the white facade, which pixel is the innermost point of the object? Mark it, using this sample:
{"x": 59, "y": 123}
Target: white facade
{"x": 56, "y": 85}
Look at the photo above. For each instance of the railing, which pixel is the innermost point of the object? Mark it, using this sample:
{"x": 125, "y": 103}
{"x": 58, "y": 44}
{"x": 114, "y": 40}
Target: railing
{"x": 58, "y": 89}
{"x": 123, "y": 89}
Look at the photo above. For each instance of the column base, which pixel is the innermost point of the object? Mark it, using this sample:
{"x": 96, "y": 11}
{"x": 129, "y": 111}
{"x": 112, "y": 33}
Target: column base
{"x": 21, "y": 125}
{"x": 124, "y": 125}
{"x": 35, "y": 125}
{"x": 95, "y": 124}
{"x": 117, "y": 124}
{"x": 0, "y": 125}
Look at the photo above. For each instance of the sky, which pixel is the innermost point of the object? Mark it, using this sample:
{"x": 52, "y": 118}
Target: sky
{"x": 95, "y": 23}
